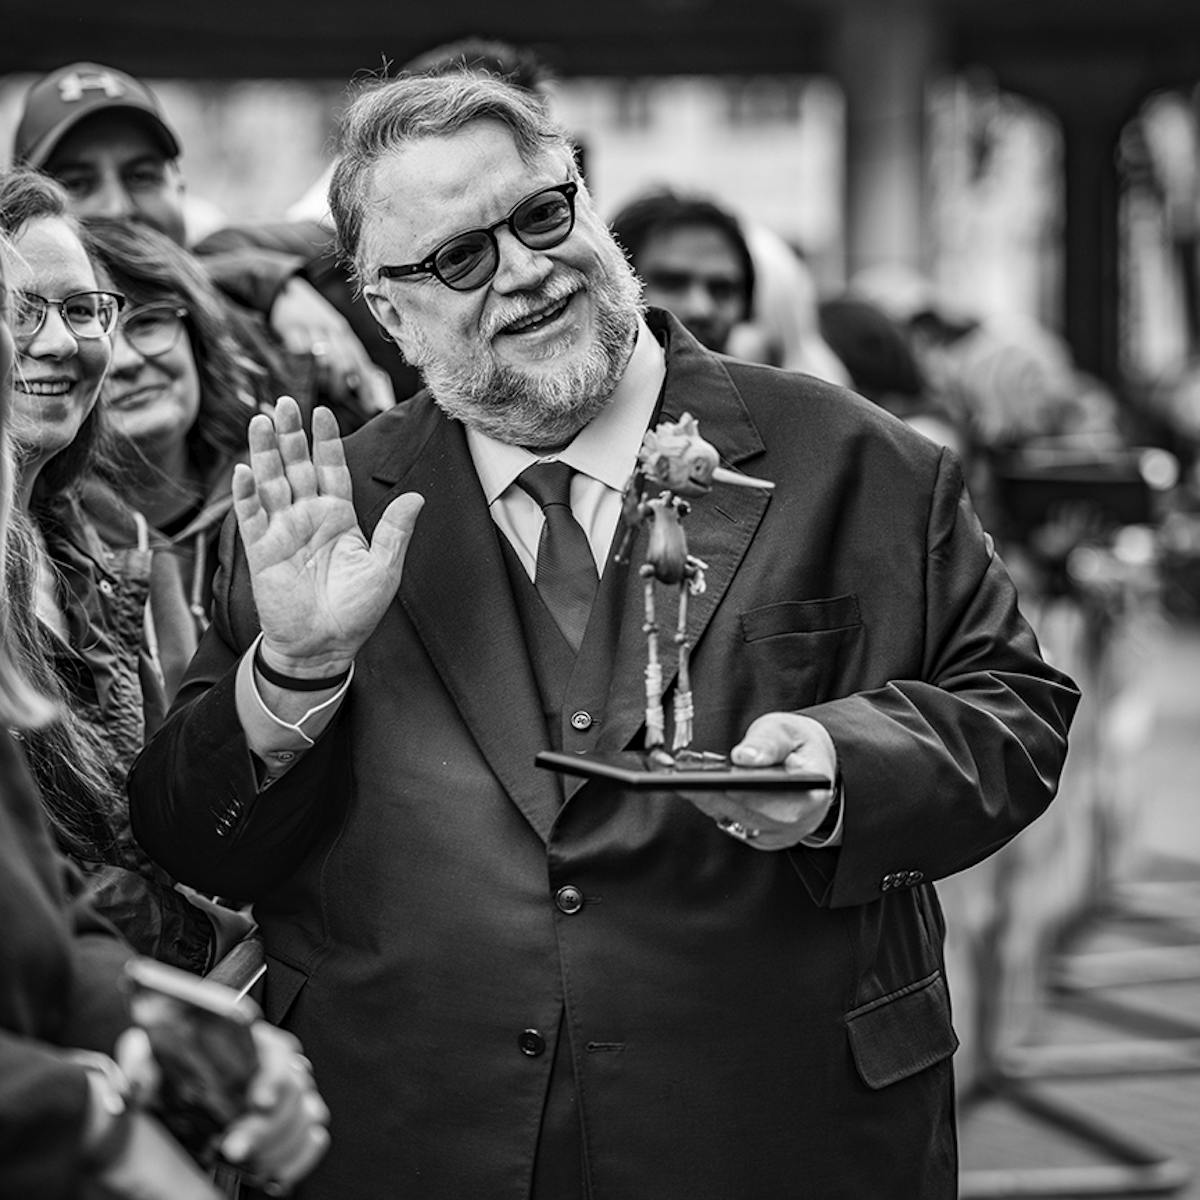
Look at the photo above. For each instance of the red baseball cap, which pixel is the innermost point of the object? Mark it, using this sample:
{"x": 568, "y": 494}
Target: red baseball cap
{"x": 57, "y": 102}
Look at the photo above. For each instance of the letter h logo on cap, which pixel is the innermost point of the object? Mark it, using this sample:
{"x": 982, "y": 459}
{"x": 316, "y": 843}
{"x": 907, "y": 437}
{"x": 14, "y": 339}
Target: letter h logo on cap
{"x": 71, "y": 88}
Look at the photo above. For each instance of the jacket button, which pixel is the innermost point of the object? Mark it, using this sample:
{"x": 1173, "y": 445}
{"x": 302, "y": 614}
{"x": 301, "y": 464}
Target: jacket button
{"x": 914, "y": 877}
{"x": 568, "y": 900}
{"x": 531, "y": 1042}
{"x": 581, "y": 720}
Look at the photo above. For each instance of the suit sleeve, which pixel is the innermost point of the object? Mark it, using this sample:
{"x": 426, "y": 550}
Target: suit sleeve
{"x": 940, "y": 771}
{"x": 196, "y": 802}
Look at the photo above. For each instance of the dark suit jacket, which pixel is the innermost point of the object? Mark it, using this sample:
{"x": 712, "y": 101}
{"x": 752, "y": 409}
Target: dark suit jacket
{"x": 741, "y": 1024}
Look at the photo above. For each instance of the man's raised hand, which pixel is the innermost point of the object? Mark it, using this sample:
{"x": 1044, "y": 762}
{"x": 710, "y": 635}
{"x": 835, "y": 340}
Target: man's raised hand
{"x": 320, "y": 588}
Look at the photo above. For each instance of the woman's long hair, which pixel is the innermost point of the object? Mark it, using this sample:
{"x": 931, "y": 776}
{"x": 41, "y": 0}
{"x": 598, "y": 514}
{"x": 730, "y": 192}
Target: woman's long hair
{"x": 72, "y": 763}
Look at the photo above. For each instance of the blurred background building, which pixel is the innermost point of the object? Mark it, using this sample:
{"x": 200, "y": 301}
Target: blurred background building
{"x": 1029, "y": 158}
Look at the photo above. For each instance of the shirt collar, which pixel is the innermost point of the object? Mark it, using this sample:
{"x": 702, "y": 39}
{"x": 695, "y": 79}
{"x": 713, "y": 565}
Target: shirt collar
{"x": 604, "y": 449}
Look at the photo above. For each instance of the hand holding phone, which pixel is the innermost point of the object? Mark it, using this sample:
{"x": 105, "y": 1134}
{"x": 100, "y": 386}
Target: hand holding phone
{"x": 200, "y": 1036}
{"x": 231, "y": 1086}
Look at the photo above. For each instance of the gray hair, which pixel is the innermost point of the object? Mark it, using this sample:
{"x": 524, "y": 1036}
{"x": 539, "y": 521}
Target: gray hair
{"x": 394, "y": 113}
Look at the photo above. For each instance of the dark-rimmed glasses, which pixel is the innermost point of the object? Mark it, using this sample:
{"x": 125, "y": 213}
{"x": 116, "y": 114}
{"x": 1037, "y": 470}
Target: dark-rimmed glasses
{"x": 85, "y": 314}
{"x": 468, "y": 260}
{"x": 152, "y": 329}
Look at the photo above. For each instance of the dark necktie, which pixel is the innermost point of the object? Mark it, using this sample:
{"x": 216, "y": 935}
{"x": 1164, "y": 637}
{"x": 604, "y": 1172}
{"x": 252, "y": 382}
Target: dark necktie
{"x": 566, "y": 571}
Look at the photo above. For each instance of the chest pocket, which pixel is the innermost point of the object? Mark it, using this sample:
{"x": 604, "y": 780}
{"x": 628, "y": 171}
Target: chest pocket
{"x": 806, "y": 646}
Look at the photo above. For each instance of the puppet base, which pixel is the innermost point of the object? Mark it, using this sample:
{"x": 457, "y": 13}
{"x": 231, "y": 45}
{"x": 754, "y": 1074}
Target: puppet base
{"x": 691, "y": 771}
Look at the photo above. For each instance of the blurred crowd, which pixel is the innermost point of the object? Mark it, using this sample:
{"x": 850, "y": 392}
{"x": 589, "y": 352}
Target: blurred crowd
{"x": 131, "y": 366}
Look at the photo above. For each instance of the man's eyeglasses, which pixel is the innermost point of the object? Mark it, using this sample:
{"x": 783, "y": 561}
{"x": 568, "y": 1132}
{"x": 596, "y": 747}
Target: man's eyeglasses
{"x": 468, "y": 260}
{"x": 152, "y": 329}
{"x": 85, "y": 314}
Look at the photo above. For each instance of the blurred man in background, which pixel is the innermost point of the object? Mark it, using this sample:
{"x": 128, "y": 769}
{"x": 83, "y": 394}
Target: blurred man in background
{"x": 693, "y": 259}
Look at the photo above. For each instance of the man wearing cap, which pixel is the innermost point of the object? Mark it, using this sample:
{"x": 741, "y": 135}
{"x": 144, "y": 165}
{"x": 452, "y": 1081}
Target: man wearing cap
{"x": 104, "y": 136}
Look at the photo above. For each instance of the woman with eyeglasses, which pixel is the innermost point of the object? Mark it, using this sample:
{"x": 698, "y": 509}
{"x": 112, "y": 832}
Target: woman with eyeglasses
{"x": 94, "y": 606}
{"x": 179, "y": 394}
{"x": 75, "y": 1111}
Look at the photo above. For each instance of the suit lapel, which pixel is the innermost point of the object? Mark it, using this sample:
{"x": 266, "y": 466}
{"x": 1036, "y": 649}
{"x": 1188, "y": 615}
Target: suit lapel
{"x": 471, "y": 631}
{"x": 719, "y": 527}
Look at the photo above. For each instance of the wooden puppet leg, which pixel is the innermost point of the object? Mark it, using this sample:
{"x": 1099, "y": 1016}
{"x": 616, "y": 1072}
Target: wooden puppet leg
{"x": 655, "y": 731}
{"x": 684, "y": 710}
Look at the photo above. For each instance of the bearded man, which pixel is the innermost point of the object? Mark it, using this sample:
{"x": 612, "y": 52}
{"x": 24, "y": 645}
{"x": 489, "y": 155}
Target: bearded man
{"x": 513, "y": 984}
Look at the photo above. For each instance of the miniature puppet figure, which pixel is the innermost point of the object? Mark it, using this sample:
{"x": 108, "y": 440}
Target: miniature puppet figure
{"x": 675, "y": 465}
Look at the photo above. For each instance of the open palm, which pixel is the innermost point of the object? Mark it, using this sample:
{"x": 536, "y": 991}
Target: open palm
{"x": 319, "y": 586}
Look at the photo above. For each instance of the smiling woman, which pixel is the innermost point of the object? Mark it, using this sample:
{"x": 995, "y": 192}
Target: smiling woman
{"x": 179, "y": 395}
{"x": 97, "y": 612}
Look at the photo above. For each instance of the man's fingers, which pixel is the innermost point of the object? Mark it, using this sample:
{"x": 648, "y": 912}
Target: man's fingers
{"x": 787, "y": 739}
{"x": 252, "y": 518}
{"x": 329, "y": 459}
{"x": 394, "y": 531}
{"x": 293, "y": 447}
{"x": 270, "y": 481}
{"x": 767, "y": 743}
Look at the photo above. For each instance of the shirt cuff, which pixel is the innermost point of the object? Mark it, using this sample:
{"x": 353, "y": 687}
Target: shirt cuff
{"x": 824, "y": 837}
{"x": 279, "y": 743}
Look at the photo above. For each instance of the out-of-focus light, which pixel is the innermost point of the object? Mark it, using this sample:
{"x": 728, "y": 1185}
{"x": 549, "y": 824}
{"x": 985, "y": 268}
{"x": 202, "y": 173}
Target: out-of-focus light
{"x": 1159, "y": 468}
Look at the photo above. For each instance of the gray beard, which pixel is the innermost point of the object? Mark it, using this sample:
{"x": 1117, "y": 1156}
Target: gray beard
{"x": 543, "y": 411}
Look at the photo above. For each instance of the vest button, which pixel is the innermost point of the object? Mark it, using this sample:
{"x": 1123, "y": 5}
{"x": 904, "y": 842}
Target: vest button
{"x": 568, "y": 900}
{"x": 581, "y": 720}
{"x": 531, "y": 1042}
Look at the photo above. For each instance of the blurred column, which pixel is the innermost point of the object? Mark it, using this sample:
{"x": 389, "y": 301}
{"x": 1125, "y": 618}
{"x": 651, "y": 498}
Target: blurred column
{"x": 883, "y": 52}
{"x": 1093, "y": 96}
{"x": 1090, "y": 135}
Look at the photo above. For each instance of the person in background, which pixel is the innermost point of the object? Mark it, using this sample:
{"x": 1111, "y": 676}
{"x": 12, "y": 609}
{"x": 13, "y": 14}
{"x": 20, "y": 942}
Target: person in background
{"x": 883, "y": 367}
{"x": 104, "y": 136}
{"x": 179, "y": 396}
{"x": 96, "y": 607}
{"x": 784, "y": 329}
{"x": 691, "y": 255}
{"x": 514, "y": 984}
{"x": 72, "y": 1126}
